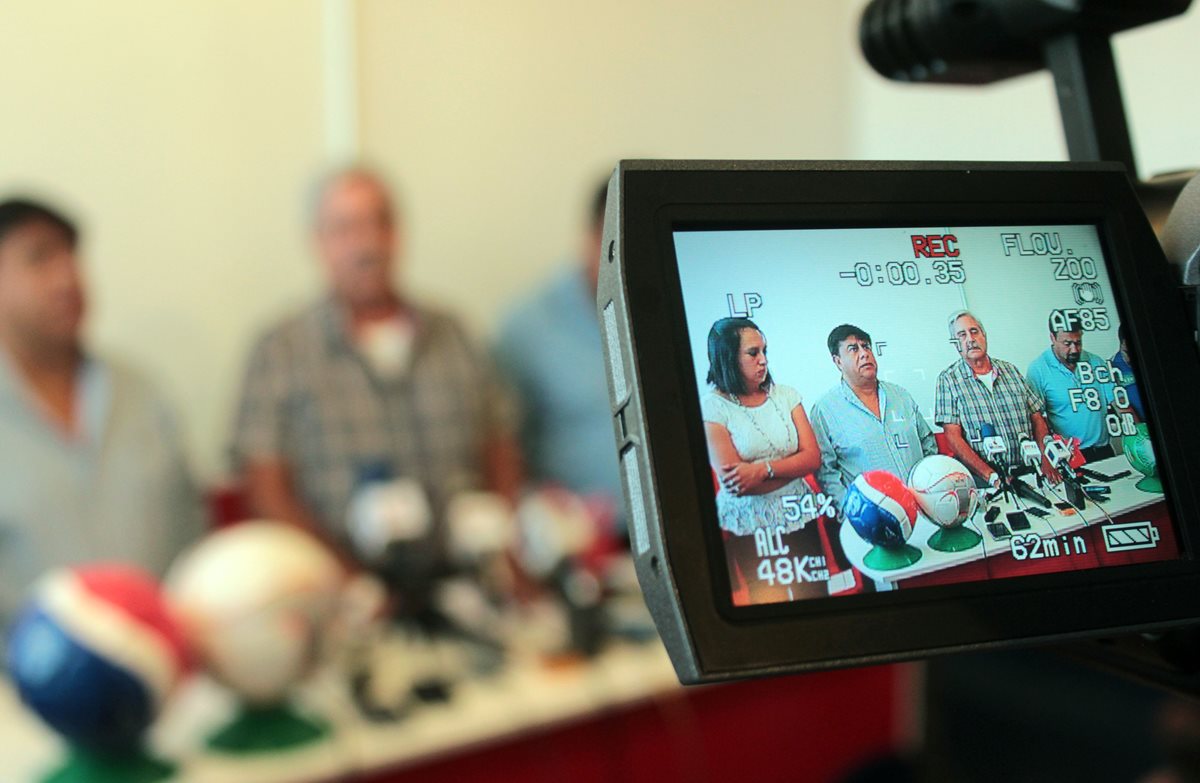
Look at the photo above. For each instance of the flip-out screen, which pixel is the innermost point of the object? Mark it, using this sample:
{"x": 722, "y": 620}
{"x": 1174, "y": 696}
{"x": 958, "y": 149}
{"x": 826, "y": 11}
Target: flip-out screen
{"x": 890, "y": 408}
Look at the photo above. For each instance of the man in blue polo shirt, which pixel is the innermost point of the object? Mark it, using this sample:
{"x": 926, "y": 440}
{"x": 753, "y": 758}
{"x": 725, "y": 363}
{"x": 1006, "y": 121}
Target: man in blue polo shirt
{"x": 1078, "y": 388}
{"x": 549, "y": 348}
{"x": 1121, "y": 360}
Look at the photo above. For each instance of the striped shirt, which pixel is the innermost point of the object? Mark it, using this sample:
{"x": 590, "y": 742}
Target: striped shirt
{"x": 853, "y": 440}
{"x": 311, "y": 400}
{"x": 964, "y": 400}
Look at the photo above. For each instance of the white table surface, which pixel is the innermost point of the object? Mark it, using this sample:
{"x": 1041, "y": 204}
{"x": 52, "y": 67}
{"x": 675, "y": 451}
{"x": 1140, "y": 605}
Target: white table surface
{"x": 1125, "y": 497}
{"x": 525, "y": 696}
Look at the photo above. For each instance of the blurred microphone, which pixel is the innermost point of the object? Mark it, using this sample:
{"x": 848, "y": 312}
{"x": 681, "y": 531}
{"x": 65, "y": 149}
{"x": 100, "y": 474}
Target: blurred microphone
{"x": 555, "y": 526}
{"x": 1181, "y": 233}
{"x": 481, "y": 526}
{"x": 982, "y": 41}
{"x": 1181, "y": 239}
{"x": 390, "y": 525}
{"x": 385, "y": 511}
{"x": 556, "y": 530}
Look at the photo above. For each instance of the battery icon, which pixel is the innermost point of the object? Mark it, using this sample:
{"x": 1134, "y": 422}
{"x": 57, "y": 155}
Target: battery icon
{"x": 1130, "y": 535}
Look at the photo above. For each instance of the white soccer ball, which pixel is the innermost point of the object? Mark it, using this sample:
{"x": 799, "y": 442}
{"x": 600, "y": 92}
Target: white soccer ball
{"x": 944, "y": 489}
{"x": 257, "y": 600}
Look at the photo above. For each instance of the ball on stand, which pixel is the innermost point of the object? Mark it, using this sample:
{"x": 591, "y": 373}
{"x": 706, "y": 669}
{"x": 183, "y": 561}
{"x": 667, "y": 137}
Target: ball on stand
{"x": 95, "y": 653}
{"x": 256, "y": 601}
{"x": 882, "y": 510}
{"x": 945, "y": 493}
{"x": 1140, "y": 453}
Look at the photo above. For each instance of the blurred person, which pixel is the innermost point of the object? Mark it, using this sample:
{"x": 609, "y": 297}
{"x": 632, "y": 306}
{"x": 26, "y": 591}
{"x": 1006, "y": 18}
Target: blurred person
{"x": 91, "y": 463}
{"x": 549, "y": 348}
{"x": 366, "y": 384}
{"x": 1055, "y": 375}
{"x": 865, "y": 423}
{"x": 979, "y": 389}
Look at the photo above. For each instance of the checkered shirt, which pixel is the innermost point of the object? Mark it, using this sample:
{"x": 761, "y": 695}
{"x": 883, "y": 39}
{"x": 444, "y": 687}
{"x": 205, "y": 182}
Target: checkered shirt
{"x": 964, "y": 400}
{"x": 310, "y": 399}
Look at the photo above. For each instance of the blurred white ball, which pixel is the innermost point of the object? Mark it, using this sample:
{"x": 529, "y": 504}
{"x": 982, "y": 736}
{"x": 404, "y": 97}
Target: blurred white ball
{"x": 256, "y": 600}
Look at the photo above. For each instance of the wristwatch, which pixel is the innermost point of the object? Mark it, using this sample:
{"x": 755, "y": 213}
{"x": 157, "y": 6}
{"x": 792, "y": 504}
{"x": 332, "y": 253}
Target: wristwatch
{"x": 770, "y": 471}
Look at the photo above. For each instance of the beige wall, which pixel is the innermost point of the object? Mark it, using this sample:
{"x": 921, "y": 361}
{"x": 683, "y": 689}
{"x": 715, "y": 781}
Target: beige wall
{"x": 183, "y": 134}
{"x": 179, "y": 133}
{"x": 499, "y": 118}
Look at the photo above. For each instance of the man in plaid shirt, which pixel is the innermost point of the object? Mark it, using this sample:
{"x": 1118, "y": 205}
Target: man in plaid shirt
{"x": 978, "y": 390}
{"x": 366, "y": 385}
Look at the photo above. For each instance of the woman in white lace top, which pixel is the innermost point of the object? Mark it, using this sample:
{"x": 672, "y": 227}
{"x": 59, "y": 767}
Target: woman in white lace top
{"x": 760, "y": 443}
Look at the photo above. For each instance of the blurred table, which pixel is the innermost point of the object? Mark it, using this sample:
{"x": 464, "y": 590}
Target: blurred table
{"x": 621, "y": 716}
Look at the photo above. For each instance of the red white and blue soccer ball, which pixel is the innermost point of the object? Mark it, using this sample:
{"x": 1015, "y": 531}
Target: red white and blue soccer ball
{"x": 880, "y": 508}
{"x": 95, "y": 653}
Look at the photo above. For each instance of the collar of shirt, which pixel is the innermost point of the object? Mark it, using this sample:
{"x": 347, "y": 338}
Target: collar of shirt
{"x": 93, "y": 399}
{"x": 853, "y": 399}
{"x": 335, "y": 325}
{"x": 1052, "y": 363}
{"x": 967, "y": 372}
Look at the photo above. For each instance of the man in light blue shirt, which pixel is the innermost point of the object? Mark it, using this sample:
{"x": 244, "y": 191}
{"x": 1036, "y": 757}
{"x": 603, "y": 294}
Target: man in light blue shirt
{"x": 864, "y": 423}
{"x": 1078, "y": 387}
{"x": 91, "y": 466}
{"x": 549, "y": 347}
{"x": 1122, "y": 361}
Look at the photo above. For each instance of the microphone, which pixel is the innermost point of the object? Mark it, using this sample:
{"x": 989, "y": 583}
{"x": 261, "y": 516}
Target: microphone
{"x": 1181, "y": 233}
{"x": 1031, "y": 455}
{"x": 995, "y": 453}
{"x": 994, "y": 447}
{"x": 1031, "y": 459}
{"x": 1058, "y": 454}
{"x": 985, "y": 40}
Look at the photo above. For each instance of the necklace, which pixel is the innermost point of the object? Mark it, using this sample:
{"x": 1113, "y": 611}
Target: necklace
{"x": 746, "y": 411}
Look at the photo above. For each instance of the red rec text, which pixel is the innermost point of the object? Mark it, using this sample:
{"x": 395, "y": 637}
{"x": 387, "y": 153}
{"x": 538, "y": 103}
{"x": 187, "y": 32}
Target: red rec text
{"x": 935, "y": 246}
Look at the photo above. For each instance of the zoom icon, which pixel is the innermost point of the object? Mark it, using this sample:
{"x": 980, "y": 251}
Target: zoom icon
{"x": 1087, "y": 293}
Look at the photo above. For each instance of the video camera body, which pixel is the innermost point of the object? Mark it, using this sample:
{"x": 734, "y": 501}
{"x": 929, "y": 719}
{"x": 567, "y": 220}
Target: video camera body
{"x": 755, "y": 562}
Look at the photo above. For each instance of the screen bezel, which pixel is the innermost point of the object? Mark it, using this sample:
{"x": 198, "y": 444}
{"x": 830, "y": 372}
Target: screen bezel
{"x": 658, "y": 202}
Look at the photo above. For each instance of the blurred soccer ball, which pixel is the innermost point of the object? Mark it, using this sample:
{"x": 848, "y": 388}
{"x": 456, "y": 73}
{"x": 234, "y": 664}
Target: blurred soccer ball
{"x": 256, "y": 600}
{"x": 944, "y": 490}
{"x": 95, "y": 652}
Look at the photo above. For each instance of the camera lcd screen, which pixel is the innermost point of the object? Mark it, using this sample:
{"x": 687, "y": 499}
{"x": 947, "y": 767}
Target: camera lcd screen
{"x": 868, "y": 394}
